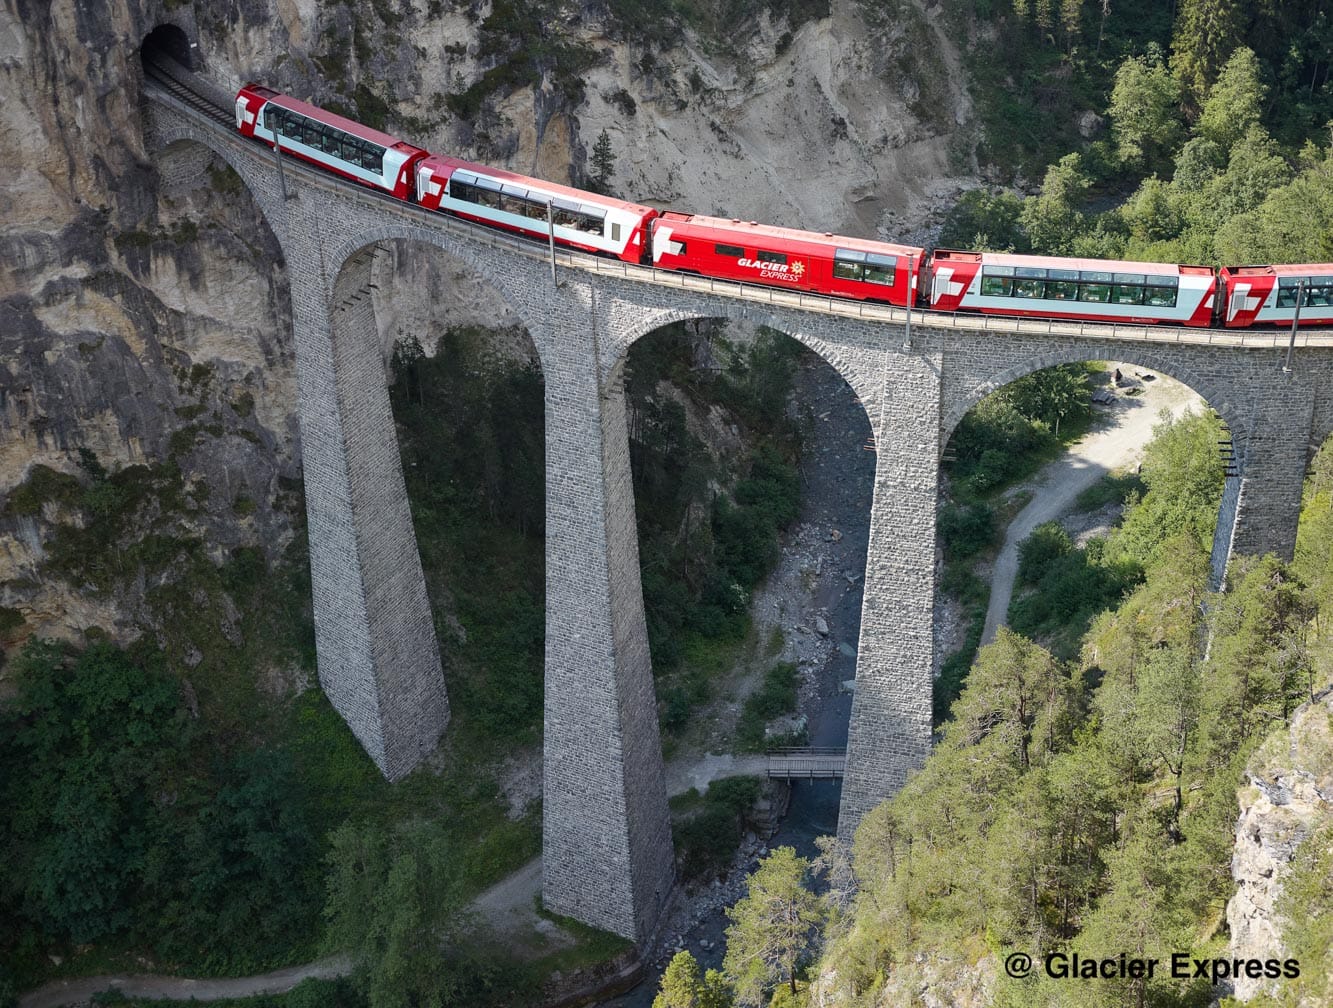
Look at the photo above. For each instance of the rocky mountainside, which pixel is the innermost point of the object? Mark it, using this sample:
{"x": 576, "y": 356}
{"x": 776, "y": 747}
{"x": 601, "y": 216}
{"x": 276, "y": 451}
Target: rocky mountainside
{"x": 145, "y": 312}
{"x": 1286, "y": 809}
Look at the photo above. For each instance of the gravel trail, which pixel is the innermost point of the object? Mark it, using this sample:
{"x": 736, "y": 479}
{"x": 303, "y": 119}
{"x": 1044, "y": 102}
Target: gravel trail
{"x": 1117, "y": 440}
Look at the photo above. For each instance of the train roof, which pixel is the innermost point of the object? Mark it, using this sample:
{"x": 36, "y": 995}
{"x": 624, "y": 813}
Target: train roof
{"x": 351, "y": 126}
{"x": 736, "y": 229}
{"x": 1062, "y": 262}
{"x": 506, "y": 177}
{"x": 1282, "y": 269}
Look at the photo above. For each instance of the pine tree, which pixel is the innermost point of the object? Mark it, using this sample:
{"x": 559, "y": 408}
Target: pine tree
{"x": 772, "y": 928}
{"x": 603, "y": 163}
{"x": 684, "y": 985}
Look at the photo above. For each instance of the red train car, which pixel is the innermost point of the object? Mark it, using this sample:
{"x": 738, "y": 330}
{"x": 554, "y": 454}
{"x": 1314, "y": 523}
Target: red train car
{"x": 582, "y": 220}
{"x": 329, "y": 140}
{"x": 1258, "y": 295}
{"x": 1052, "y": 287}
{"x": 783, "y": 257}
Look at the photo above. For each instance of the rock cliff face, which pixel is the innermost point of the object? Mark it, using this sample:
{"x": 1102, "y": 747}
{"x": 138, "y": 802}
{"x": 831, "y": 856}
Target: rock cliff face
{"x": 1287, "y": 804}
{"x": 143, "y": 308}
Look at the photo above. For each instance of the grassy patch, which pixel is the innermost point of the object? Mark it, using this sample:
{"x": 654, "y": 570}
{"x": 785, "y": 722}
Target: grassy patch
{"x": 775, "y": 696}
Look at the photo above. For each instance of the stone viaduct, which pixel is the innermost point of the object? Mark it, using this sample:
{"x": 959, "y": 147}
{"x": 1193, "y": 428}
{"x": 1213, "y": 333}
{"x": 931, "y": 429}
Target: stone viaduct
{"x": 606, "y": 851}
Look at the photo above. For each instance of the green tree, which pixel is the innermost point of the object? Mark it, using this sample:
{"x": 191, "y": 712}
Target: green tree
{"x": 393, "y": 900}
{"x": 1052, "y": 219}
{"x": 1144, "y": 111}
{"x": 1232, "y": 107}
{"x": 1052, "y": 394}
{"x": 772, "y": 928}
{"x": 685, "y": 985}
{"x": 603, "y": 163}
{"x": 1206, "y": 33}
{"x": 1258, "y": 669}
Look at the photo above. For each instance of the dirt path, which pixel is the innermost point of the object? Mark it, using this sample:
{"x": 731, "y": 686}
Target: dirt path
{"x": 79, "y": 992}
{"x": 1116, "y": 442}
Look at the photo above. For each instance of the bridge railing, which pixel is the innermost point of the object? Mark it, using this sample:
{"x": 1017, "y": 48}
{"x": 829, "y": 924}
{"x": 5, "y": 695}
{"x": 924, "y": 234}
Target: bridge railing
{"x": 806, "y": 764}
{"x": 753, "y": 293}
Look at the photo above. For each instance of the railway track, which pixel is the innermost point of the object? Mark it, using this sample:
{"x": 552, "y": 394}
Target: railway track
{"x": 162, "y": 76}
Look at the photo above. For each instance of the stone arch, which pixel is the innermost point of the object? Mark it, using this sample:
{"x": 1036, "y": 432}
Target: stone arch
{"x": 1211, "y": 394}
{"x": 170, "y": 40}
{"x": 739, "y": 311}
{"x": 479, "y": 260}
{"x": 269, "y": 206}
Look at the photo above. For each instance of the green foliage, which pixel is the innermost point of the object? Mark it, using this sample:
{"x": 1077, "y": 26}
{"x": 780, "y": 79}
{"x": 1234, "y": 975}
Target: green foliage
{"x": 471, "y": 434}
{"x": 1052, "y": 219}
{"x": 1206, "y": 33}
{"x": 1233, "y": 105}
{"x": 965, "y": 530}
{"x": 985, "y": 221}
{"x": 699, "y": 559}
{"x": 708, "y": 829}
{"x": 603, "y": 163}
{"x": 128, "y": 821}
{"x": 1182, "y": 470}
{"x": 393, "y": 900}
{"x": 773, "y": 928}
{"x": 1006, "y": 437}
{"x": 1145, "y": 114}
{"x": 43, "y": 485}
{"x": 684, "y": 985}
{"x": 775, "y": 696}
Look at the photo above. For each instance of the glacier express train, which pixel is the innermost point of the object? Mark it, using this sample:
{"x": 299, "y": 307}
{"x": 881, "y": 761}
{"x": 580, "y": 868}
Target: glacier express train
{"x": 749, "y": 252}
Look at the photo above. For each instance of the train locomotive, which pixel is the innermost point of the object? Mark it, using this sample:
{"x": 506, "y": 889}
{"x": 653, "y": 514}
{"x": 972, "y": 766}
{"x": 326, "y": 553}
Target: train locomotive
{"x": 987, "y": 283}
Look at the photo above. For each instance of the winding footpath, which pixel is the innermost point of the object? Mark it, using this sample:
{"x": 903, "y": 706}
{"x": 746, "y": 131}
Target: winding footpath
{"x": 1123, "y": 430}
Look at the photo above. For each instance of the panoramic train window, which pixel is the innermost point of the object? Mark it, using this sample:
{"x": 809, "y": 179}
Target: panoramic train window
{"x": 732, "y": 251}
{"x": 849, "y": 264}
{"x": 879, "y": 268}
{"x": 320, "y": 137}
{"x": 1318, "y": 291}
{"x": 771, "y": 257}
{"x": 1092, "y": 286}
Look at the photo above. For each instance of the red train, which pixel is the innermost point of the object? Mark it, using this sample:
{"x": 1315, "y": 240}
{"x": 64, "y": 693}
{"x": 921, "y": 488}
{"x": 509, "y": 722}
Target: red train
{"x": 749, "y": 252}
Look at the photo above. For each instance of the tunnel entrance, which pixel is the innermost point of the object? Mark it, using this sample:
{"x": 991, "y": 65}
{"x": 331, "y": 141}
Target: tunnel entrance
{"x": 168, "y": 42}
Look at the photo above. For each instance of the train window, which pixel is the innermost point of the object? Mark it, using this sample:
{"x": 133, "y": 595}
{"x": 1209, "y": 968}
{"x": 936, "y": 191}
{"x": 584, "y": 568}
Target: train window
{"x": 1062, "y": 290}
{"x": 1062, "y": 274}
{"x": 615, "y": 232}
{"x": 1027, "y": 288}
{"x": 1095, "y": 276}
{"x": 1006, "y": 271}
{"x": 1286, "y": 297}
{"x": 880, "y": 268}
{"x": 460, "y": 190}
{"x": 1129, "y": 278}
{"x": 1032, "y": 272}
{"x": 846, "y": 270}
{"x": 997, "y": 286}
{"x": 534, "y": 210}
{"x": 1161, "y": 281}
{"x": 772, "y": 257}
{"x": 1126, "y": 293}
{"x": 1098, "y": 292}
{"x": 1160, "y": 297}
{"x": 731, "y": 251}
